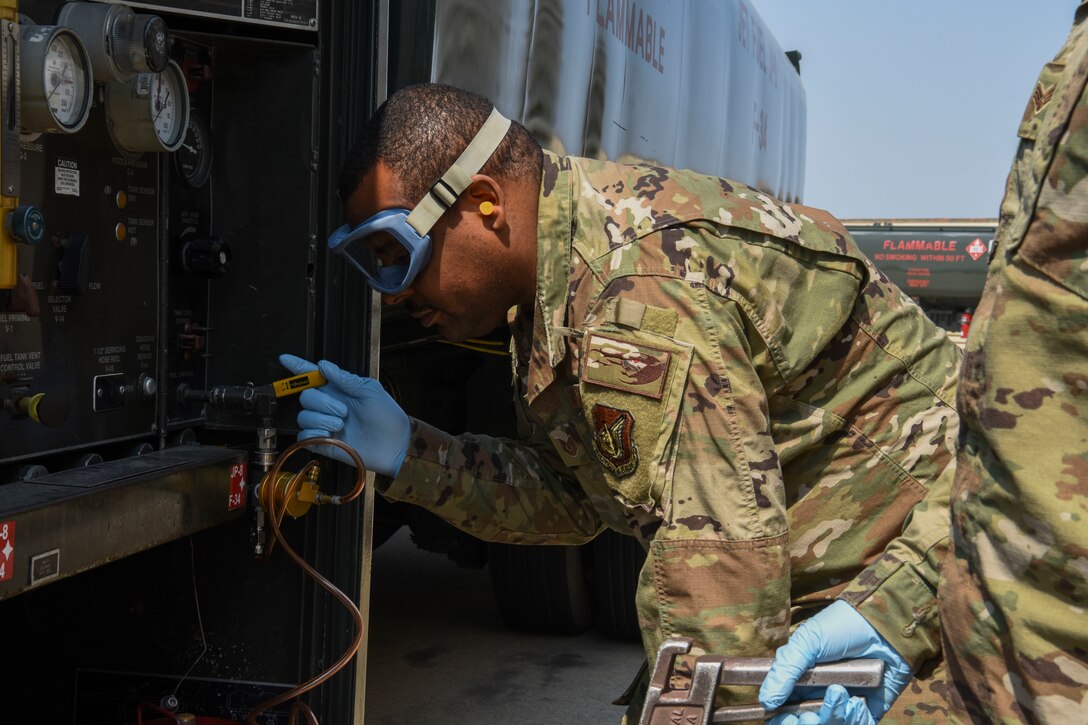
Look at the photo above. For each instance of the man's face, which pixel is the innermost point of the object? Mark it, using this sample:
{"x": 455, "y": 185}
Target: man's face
{"x": 466, "y": 288}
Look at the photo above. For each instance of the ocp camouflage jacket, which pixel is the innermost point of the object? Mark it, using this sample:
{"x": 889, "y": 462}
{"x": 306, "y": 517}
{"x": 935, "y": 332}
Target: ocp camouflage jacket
{"x": 1015, "y": 586}
{"x": 727, "y": 378}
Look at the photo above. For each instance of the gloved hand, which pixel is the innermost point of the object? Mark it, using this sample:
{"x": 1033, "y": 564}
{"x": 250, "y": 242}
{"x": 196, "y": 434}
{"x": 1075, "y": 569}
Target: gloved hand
{"x": 838, "y": 707}
{"x": 354, "y": 410}
{"x": 835, "y": 633}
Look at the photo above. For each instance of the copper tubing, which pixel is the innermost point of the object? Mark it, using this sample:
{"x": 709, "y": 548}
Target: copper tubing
{"x": 274, "y": 518}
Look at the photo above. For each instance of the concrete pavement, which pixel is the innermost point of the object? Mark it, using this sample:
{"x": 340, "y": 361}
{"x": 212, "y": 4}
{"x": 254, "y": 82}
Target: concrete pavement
{"x": 440, "y": 654}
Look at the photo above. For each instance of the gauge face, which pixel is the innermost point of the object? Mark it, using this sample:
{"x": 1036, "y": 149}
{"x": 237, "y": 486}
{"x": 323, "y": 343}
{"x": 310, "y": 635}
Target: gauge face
{"x": 65, "y": 80}
{"x": 194, "y": 157}
{"x": 55, "y": 80}
{"x": 164, "y": 108}
{"x": 150, "y": 112}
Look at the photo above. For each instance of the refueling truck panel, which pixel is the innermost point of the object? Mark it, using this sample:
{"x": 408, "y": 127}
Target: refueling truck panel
{"x": 164, "y": 172}
{"x": 167, "y": 181}
{"x": 941, "y": 264}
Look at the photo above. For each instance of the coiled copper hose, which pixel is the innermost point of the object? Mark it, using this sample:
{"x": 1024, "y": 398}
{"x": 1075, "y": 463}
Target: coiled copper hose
{"x": 268, "y": 502}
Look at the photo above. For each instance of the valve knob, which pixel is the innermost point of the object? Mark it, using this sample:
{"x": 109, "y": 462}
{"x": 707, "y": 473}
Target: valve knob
{"x": 49, "y": 409}
{"x": 206, "y": 257}
{"x": 147, "y": 46}
{"x": 73, "y": 268}
{"x": 26, "y": 224}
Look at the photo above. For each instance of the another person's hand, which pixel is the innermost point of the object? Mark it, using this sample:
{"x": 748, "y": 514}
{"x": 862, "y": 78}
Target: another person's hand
{"x": 838, "y": 708}
{"x": 354, "y": 410}
{"x": 837, "y": 632}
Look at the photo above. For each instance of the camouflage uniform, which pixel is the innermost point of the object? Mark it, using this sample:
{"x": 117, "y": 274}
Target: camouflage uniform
{"x": 1015, "y": 585}
{"x": 728, "y": 379}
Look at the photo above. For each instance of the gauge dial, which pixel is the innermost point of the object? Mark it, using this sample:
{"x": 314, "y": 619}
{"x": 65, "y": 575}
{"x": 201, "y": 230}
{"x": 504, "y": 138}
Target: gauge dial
{"x": 65, "y": 80}
{"x": 194, "y": 158}
{"x": 56, "y": 79}
{"x": 164, "y": 104}
{"x": 149, "y": 113}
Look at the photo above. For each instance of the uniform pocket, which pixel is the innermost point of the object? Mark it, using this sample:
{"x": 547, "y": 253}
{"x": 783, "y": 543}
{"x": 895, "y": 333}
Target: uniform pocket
{"x": 632, "y": 386}
{"x": 731, "y": 597}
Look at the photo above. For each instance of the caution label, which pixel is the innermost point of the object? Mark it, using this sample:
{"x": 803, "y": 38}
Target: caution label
{"x": 66, "y": 177}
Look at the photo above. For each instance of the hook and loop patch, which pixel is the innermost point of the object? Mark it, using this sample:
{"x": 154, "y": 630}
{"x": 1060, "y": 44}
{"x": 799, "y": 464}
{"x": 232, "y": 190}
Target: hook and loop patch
{"x": 613, "y": 429}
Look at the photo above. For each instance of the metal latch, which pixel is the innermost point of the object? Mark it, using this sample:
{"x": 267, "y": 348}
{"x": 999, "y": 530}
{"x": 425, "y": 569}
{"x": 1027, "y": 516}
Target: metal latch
{"x": 695, "y": 704}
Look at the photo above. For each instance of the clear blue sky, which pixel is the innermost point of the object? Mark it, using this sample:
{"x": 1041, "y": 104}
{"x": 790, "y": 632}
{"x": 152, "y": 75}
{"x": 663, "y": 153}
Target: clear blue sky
{"x": 913, "y": 105}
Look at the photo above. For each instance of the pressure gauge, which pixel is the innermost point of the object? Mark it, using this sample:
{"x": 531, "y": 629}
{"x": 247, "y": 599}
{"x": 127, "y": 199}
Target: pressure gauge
{"x": 120, "y": 42}
{"x": 150, "y": 112}
{"x": 55, "y": 78}
{"x": 194, "y": 158}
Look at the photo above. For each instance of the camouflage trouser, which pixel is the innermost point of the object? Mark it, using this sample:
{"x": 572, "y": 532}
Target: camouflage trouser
{"x": 1015, "y": 586}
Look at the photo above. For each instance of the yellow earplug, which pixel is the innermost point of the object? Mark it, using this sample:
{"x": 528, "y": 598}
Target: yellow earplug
{"x": 486, "y": 208}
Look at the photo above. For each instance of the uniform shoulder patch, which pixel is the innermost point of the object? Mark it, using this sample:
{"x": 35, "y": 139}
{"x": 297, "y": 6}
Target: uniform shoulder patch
{"x": 568, "y": 446}
{"x": 624, "y": 365}
{"x": 612, "y": 439}
{"x": 1040, "y": 97}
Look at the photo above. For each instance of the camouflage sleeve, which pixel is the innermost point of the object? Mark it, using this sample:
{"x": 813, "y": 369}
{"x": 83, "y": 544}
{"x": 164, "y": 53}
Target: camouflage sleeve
{"x": 492, "y": 488}
{"x": 897, "y": 592}
{"x": 700, "y": 455}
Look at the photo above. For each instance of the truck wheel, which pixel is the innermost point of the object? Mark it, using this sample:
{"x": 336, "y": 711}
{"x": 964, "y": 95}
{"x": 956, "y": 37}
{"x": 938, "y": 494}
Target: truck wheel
{"x": 541, "y": 588}
{"x": 617, "y": 561}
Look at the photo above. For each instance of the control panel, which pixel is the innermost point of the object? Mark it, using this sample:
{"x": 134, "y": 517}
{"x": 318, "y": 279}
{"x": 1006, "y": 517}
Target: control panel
{"x": 164, "y": 184}
{"x": 158, "y": 229}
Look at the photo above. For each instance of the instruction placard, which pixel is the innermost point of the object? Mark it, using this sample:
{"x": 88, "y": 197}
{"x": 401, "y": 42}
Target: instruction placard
{"x": 66, "y": 177}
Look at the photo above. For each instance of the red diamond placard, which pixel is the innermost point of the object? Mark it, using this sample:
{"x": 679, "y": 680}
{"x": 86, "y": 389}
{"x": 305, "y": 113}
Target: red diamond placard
{"x": 976, "y": 249}
{"x": 7, "y": 550}
{"x": 236, "y": 499}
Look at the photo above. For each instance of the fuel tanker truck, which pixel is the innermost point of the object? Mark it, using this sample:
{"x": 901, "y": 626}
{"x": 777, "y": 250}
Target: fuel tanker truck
{"x": 940, "y": 263}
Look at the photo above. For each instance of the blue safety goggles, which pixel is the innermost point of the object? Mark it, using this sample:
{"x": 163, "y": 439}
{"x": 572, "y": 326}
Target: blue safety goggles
{"x": 385, "y": 278}
{"x": 412, "y": 229}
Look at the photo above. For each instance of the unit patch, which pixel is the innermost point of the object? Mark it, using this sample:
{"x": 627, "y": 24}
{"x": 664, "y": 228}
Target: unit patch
{"x": 612, "y": 439}
{"x": 621, "y": 365}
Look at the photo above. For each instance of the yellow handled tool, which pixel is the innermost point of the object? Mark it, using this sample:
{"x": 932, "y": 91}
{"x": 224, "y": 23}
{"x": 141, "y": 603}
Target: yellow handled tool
{"x": 298, "y": 383}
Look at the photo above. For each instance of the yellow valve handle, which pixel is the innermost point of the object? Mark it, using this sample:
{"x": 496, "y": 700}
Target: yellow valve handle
{"x": 9, "y": 256}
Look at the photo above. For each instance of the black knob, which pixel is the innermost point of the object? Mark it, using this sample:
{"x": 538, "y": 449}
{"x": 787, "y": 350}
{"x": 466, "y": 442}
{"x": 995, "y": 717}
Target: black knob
{"x": 74, "y": 269}
{"x": 156, "y": 42}
{"x": 206, "y": 256}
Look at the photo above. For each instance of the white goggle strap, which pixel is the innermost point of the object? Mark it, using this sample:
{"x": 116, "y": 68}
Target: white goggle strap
{"x": 445, "y": 191}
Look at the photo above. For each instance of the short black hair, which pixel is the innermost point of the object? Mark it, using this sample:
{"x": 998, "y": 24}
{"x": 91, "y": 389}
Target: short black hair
{"x": 421, "y": 130}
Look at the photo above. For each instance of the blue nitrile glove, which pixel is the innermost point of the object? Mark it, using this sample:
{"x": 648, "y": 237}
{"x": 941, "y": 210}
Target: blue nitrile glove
{"x": 835, "y": 633}
{"x": 354, "y": 410}
{"x": 838, "y": 707}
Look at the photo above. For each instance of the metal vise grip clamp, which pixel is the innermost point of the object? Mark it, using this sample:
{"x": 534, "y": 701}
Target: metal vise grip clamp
{"x": 695, "y": 705}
